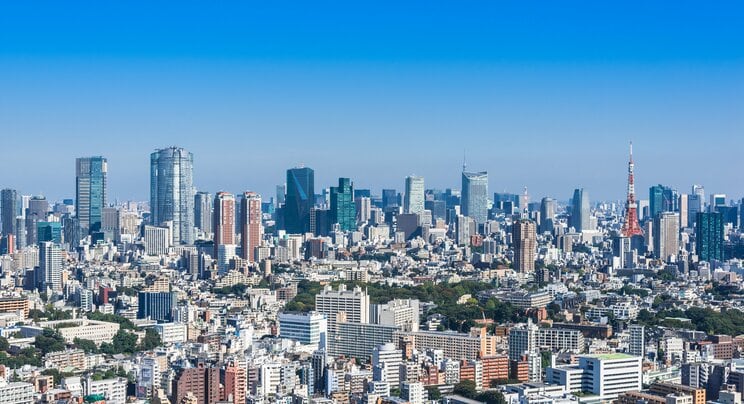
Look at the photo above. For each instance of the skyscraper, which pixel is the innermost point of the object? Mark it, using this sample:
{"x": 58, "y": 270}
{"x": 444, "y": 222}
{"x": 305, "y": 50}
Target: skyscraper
{"x": 475, "y": 196}
{"x": 709, "y": 236}
{"x": 525, "y": 245}
{"x": 414, "y": 197}
{"x": 299, "y": 200}
{"x": 548, "y": 207}
{"x": 50, "y": 266}
{"x": 8, "y": 211}
{"x": 90, "y": 192}
{"x": 251, "y": 229}
{"x": 203, "y": 212}
{"x": 580, "y": 213}
{"x": 224, "y": 220}
{"x": 172, "y": 192}
{"x": 38, "y": 207}
{"x": 666, "y": 234}
{"x": 343, "y": 209}
{"x": 662, "y": 199}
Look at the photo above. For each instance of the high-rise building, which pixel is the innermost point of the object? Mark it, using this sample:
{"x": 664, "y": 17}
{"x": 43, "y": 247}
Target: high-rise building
{"x": 251, "y": 230}
{"x": 548, "y": 207}
{"x": 8, "y": 211}
{"x": 525, "y": 245}
{"x": 50, "y": 266}
{"x": 172, "y": 192}
{"x": 414, "y": 197}
{"x": 386, "y": 361}
{"x": 201, "y": 382}
{"x": 353, "y": 305}
{"x": 666, "y": 235}
{"x": 90, "y": 192}
{"x": 236, "y": 382}
{"x": 662, "y": 199}
{"x": 580, "y": 212}
{"x": 523, "y": 343}
{"x": 637, "y": 342}
{"x": 343, "y": 209}
{"x": 224, "y": 220}
{"x": 363, "y": 208}
{"x": 709, "y": 236}
{"x": 475, "y": 196}
{"x": 157, "y": 306}
{"x": 299, "y": 200}
{"x": 389, "y": 199}
{"x": 37, "y": 210}
{"x": 684, "y": 203}
{"x": 716, "y": 200}
{"x": 203, "y": 212}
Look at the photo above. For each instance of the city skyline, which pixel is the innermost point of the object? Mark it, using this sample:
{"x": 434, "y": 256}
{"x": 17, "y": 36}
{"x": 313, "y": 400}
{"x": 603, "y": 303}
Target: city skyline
{"x": 258, "y": 89}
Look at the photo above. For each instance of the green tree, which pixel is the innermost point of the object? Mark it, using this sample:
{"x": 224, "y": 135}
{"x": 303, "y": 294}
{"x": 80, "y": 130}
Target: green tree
{"x": 86, "y": 345}
{"x": 49, "y": 341}
{"x": 434, "y": 393}
{"x": 466, "y": 388}
{"x": 491, "y": 397}
{"x": 151, "y": 340}
{"x": 4, "y": 345}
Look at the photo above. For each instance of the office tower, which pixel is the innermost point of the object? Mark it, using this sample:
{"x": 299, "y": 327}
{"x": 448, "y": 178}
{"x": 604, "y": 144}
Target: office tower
{"x": 90, "y": 192}
{"x": 580, "y": 214}
{"x": 465, "y": 227}
{"x": 343, "y": 210}
{"x": 363, "y": 208}
{"x": 49, "y": 231}
{"x": 203, "y": 212}
{"x": 352, "y": 305}
{"x": 386, "y": 362}
{"x": 200, "y": 384}
{"x": 306, "y": 328}
{"x": 666, "y": 235}
{"x": 8, "y": 211}
{"x": 709, "y": 236}
{"x": 548, "y": 206}
{"x": 224, "y": 220}
{"x": 637, "y": 342}
{"x": 50, "y": 267}
{"x": 156, "y": 305}
{"x": 475, "y": 196}
{"x": 662, "y": 199}
{"x": 695, "y": 204}
{"x": 35, "y": 213}
{"x": 157, "y": 240}
{"x": 630, "y": 225}
{"x": 716, "y": 200}
{"x": 281, "y": 194}
{"x": 172, "y": 192}
{"x": 251, "y": 230}
{"x": 699, "y": 190}
{"x": 414, "y": 197}
{"x": 389, "y": 200}
{"x": 525, "y": 245}
{"x": 299, "y": 200}
{"x": 684, "y": 203}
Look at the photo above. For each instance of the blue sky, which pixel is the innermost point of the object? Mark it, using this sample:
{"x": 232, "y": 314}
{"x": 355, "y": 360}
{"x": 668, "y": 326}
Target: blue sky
{"x": 540, "y": 95}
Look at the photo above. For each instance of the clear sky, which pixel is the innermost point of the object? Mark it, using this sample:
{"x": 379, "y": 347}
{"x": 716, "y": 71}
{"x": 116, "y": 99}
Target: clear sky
{"x": 541, "y": 94}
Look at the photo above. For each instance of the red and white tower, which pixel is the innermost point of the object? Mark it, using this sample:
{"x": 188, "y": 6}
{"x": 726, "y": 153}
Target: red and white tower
{"x": 631, "y": 227}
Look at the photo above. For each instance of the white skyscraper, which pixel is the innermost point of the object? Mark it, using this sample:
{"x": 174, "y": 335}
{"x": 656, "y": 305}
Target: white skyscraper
{"x": 50, "y": 266}
{"x": 413, "y": 201}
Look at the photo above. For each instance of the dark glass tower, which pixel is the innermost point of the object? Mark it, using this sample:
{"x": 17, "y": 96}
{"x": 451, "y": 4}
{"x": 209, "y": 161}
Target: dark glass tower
{"x": 8, "y": 211}
{"x": 709, "y": 236}
{"x": 299, "y": 200}
{"x": 343, "y": 209}
{"x": 156, "y": 305}
{"x": 90, "y": 192}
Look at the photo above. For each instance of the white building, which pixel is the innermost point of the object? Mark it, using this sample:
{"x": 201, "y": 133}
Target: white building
{"x": 306, "y": 328}
{"x": 413, "y": 392}
{"x": 403, "y": 313}
{"x": 171, "y": 333}
{"x": 16, "y": 392}
{"x": 352, "y": 304}
{"x": 114, "y": 390}
{"x": 386, "y": 361}
{"x": 157, "y": 240}
{"x": 605, "y": 375}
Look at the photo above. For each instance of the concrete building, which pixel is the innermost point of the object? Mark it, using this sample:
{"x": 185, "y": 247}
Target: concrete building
{"x": 605, "y": 376}
{"x": 306, "y": 328}
{"x": 524, "y": 238}
{"x": 352, "y": 305}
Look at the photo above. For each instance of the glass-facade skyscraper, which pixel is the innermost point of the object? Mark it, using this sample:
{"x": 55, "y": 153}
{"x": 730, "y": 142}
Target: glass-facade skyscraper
{"x": 299, "y": 200}
{"x": 580, "y": 212}
{"x": 8, "y": 211}
{"x": 172, "y": 192}
{"x": 662, "y": 199}
{"x": 475, "y": 196}
{"x": 203, "y": 212}
{"x": 709, "y": 236}
{"x": 343, "y": 208}
{"x": 90, "y": 192}
{"x": 414, "y": 198}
